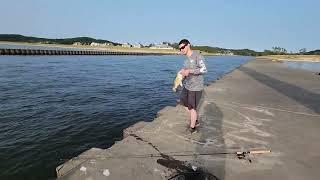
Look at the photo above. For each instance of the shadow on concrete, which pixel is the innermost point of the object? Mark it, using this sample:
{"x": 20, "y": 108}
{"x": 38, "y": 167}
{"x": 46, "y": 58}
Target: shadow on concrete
{"x": 212, "y": 134}
{"x": 304, "y": 97}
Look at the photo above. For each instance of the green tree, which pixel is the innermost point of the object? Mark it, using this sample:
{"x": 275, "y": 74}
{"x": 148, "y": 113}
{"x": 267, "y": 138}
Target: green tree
{"x": 279, "y": 50}
{"x": 302, "y": 51}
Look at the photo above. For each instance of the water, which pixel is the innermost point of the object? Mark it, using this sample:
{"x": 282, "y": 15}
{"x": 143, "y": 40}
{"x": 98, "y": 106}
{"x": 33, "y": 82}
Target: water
{"x": 311, "y": 66}
{"x": 55, "y": 107}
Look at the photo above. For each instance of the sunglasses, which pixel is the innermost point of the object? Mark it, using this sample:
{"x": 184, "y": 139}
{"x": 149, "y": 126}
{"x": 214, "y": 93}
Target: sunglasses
{"x": 182, "y": 47}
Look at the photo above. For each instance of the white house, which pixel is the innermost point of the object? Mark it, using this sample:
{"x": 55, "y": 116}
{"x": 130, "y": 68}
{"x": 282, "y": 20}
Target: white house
{"x": 77, "y": 44}
{"x": 161, "y": 46}
{"x": 100, "y": 44}
{"x": 139, "y": 45}
{"x": 126, "y": 45}
{"x": 94, "y": 44}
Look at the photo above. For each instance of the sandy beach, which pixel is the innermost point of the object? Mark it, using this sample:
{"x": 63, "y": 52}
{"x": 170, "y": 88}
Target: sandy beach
{"x": 308, "y": 58}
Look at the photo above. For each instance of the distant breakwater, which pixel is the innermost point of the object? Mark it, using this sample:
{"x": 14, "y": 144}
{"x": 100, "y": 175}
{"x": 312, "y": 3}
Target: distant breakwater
{"x": 47, "y": 52}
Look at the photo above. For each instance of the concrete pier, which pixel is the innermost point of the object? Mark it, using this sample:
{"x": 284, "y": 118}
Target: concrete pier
{"x": 262, "y": 105}
{"x": 47, "y": 52}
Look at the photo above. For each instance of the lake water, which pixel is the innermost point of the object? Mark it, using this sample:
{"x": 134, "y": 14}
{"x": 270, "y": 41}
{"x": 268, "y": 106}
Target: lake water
{"x": 55, "y": 107}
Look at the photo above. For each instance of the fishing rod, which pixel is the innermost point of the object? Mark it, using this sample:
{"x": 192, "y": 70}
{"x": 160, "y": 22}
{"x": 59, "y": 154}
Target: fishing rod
{"x": 239, "y": 154}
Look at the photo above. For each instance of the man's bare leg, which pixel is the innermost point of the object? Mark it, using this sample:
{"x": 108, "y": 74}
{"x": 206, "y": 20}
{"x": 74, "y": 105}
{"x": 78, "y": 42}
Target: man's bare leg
{"x": 193, "y": 118}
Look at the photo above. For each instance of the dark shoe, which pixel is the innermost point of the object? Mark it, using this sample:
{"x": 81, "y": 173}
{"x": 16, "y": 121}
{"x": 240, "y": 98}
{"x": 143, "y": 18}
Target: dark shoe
{"x": 193, "y": 130}
{"x": 197, "y": 123}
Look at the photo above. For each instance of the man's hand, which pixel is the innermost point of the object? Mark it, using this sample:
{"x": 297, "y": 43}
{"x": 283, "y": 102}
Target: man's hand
{"x": 185, "y": 72}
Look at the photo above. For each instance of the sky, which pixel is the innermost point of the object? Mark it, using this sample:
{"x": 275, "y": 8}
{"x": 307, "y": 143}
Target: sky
{"x": 237, "y": 24}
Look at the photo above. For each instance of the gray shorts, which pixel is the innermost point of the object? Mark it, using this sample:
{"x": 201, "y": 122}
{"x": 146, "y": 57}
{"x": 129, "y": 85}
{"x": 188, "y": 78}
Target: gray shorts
{"x": 190, "y": 99}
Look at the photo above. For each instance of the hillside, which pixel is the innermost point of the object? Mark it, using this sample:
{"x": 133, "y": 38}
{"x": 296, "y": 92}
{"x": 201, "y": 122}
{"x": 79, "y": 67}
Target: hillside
{"x": 66, "y": 41}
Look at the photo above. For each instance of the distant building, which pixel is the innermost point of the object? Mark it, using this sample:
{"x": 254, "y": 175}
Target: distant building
{"x": 100, "y": 44}
{"x": 77, "y": 44}
{"x": 126, "y": 45}
{"x": 107, "y": 44}
{"x": 161, "y": 46}
{"x": 94, "y": 44}
{"x": 230, "y": 53}
{"x": 138, "y": 45}
{"x": 225, "y": 53}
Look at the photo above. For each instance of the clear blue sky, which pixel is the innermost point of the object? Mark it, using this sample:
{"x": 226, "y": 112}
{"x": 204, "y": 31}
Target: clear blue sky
{"x": 254, "y": 24}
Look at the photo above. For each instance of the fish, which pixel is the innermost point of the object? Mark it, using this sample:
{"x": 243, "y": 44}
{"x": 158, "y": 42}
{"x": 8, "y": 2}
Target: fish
{"x": 177, "y": 82}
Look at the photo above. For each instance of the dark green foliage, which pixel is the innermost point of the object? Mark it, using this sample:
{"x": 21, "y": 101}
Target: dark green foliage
{"x": 66, "y": 41}
{"x": 242, "y": 52}
{"x": 315, "y": 52}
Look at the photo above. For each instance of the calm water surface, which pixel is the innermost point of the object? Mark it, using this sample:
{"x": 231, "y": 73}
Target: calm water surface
{"x": 55, "y": 107}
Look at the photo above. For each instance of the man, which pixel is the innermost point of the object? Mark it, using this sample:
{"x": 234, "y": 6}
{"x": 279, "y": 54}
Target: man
{"x": 194, "y": 68}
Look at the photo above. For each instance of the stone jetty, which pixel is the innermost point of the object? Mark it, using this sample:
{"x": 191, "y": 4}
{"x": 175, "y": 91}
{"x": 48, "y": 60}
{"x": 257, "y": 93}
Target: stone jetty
{"x": 261, "y": 121}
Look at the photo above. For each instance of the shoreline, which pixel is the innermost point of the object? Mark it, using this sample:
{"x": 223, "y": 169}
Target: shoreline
{"x": 299, "y": 58}
{"x": 107, "y": 48}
